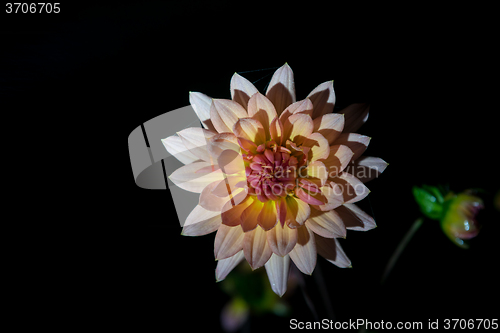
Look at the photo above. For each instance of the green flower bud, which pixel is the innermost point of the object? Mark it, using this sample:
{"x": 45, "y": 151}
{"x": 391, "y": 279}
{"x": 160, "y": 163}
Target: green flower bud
{"x": 459, "y": 220}
{"x": 456, "y": 213}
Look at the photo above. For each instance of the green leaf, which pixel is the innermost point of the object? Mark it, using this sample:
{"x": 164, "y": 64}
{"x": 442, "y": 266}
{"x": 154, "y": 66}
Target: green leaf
{"x": 430, "y": 200}
{"x": 434, "y": 191}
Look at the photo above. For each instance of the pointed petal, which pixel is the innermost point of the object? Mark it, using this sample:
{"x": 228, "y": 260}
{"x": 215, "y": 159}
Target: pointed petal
{"x": 317, "y": 169}
{"x": 303, "y": 254}
{"x": 327, "y": 224}
{"x": 332, "y": 195}
{"x": 330, "y": 249}
{"x": 277, "y": 269}
{"x": 225, "y": 266}
{"x": 231, "y": 163}
{"x": 191, "y": 179}
{"x": 221, "y": 142}
{"x": 173, "y": 144}
{"x": 320, "y": 149}
{"x": 353, "y": 190}
{"x": 299, "y": 126}
{"x": 231, "y": 212}
{"x": 268, "y": 218}
{"x": 225, "y": 113}
{"x": 356, "y": 142}
{"x": 297, "y": 211}
{"x": 241, "y": 90}
{"x": 201, "y": 222}
{"x": 282, "y": 239}
{"x": 355, "y": 218}
{"x": 276, "y": 130}
{"x": 355, "y": 115}
{"x": 281, "y": 89}
{"x": 329, "y": 125}
{"x": 323, "y": 99}
{"x": 247, "y": 145}
{"x": 229, "y": 186}
{"x": 220, "y": 196}
{"x": 210, "y": 200}
{"x": 250, "y": 129}
{"x": 201, "y": 105}
{"x": 249, "y": 217}
{"x": 196, "y": 140}
{"x": 255, "y": 247}
{"x": 281, "y": 210}
{"x": 338, "y": 159}
{"x": 228, "y": 241}
{"x": 304, "y": 106}
{"x": 367, "y": 168}
{"x": 308, "y": 197}
{"x": 260, "y": 108}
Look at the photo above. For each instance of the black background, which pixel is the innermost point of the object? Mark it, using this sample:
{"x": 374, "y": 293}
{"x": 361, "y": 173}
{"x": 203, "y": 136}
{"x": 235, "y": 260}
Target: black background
{"x": 105, "y": 253}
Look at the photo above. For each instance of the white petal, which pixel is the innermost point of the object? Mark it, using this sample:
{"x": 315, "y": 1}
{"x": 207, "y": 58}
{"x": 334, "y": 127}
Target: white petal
{"x": 194, "y": 177}
{"x": 323, "y": 99}
{"x": 225, "y": 266}
{"x": 241, "y": 90}
{"x": 330, "y": 249}
{"x": 304, "y": 253}
{"x": 330, "y": 125}
{"x": 355, "y": 218}
{"x": 201, "y": 105}
{"x": 277, "y": 269}
{"x": 353, "y": 190}
{"x": 228, "y": 241}
{"x": 281, "y": 89}
{"x": 196, "y": 140}
{"x": 224, "y": 113}
{"x": 173, "y": 144}
{"x": 255, "y": 247}
{"x": 327, "y": 224}
{"x": 201, "y": 222}
{"x": 356, "y": 142}
{"x": 367, "y": 168}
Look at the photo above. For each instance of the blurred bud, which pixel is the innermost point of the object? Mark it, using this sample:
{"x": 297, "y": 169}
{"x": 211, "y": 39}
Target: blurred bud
{"x": 459, "y": 220}
{"x": 234, "y": 315}
{"x": 455, "y": 212}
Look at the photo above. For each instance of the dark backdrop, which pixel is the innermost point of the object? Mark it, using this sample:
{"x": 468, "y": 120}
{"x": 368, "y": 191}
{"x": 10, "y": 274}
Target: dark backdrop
{"x": 82, "y": 80}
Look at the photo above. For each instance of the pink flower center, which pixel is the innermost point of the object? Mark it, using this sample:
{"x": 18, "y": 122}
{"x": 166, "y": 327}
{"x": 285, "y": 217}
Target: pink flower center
{"x": 270, "y": 171}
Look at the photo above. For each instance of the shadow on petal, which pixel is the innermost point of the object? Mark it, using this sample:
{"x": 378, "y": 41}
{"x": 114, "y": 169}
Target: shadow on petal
{"x": 355, "y": 218}
{"x": 280, "y": 96}
{"x": 353, "y": 189}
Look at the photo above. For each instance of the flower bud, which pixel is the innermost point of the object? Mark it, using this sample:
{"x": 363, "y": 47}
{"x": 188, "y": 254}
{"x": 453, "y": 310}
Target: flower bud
{"x": 455, "y": 212}
{"x": 459, "y": 219}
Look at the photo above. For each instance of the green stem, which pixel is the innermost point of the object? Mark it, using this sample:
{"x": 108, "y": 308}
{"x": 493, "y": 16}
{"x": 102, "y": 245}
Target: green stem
{"x": 402, "y": 245}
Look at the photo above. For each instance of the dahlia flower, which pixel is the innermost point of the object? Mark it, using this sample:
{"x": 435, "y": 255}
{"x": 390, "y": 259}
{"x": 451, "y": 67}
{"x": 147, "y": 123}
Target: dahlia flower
{"x": 271, "y": 173}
